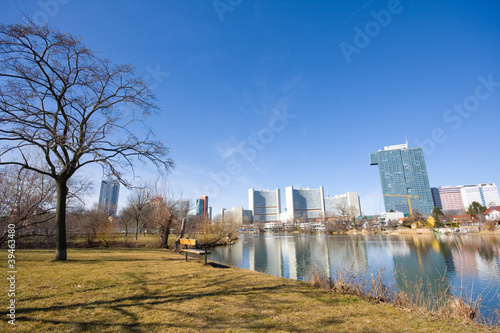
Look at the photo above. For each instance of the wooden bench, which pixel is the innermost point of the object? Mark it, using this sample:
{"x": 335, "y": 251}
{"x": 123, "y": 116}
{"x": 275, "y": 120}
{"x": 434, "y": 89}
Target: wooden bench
{"x": 193, "y": 242}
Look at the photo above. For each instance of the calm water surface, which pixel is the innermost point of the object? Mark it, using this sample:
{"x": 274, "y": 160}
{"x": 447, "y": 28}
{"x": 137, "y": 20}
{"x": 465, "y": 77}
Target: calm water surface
{"x": 460, "y": 264}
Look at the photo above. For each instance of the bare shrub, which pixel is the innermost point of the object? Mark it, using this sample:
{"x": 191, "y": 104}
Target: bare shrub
{"x": 218, "y": 232}
{"x": 490, "y": 226}
{"x": 416, "y": 296}
{"x": 319, "y": 278}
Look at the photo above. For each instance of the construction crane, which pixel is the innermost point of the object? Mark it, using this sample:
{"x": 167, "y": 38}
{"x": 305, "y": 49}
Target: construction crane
{"x": 403, "y": 196}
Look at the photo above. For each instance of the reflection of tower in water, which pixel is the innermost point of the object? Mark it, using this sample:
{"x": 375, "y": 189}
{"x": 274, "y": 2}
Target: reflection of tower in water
{"x": 292, "y": 258}
{"x": 347, "y": 253}
{"x": 422, "y": 271}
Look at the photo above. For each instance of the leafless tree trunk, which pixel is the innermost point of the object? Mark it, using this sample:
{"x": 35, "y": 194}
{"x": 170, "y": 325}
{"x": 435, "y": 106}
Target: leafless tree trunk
{"x": 138, "y": 209}
{"x": 58, "y": 98}
{"x": 164, "y": 212}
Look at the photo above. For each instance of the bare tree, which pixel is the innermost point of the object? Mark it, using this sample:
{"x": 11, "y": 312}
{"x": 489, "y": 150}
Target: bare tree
{"x": 97, "y": 225}
{"x": 392, "y": 224}
{"x": 126, "y": 223}
{"x": 194, "y": 224}
{"x": 26, "y": 200}
{"x": 353, "y": 214}
{"x": 219, "y": 231}
{"x": 138, "y": 209}
{"x": 342, "y": 209}
{"x": 163, "y": 217}
{"x": 183, "y": 206}
{"x": 336, "y": 225}
{"x": 58, "y": 98}
{"x": 167, "y": 212}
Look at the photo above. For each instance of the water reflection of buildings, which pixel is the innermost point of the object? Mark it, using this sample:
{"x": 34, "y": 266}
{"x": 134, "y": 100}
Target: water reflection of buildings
{"x": 290, "y": 256}
{"x": 424, "y": 269}
{"x": 477, "y": 255}
{"x": 439, "y": 264}
{"x": 413, "y": 257}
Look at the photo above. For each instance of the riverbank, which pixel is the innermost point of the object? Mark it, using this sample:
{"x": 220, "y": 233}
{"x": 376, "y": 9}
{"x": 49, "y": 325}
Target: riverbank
{"x": 149, "y": 290}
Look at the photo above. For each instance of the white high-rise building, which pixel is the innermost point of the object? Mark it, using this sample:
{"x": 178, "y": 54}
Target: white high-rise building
{"x": 349, "y": 200}
{"x": 265, "y": 205}
{"x": 305, "y": 202}
{"x": 485, "y": 194}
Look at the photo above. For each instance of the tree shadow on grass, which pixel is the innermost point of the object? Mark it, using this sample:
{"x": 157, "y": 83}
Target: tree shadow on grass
{"x": 130, "y": 313}
{"x": 103, "y": 260}
{"x": 131, "y": 321}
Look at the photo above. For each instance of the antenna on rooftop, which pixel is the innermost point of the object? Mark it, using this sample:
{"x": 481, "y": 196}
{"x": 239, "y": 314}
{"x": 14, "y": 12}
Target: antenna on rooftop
{"x": 327, "y": 193}
{"x": 406, "y": 141}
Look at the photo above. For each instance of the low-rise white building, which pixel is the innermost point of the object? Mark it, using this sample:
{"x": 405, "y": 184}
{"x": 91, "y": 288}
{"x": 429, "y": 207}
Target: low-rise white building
{"x": 384, "y": 218}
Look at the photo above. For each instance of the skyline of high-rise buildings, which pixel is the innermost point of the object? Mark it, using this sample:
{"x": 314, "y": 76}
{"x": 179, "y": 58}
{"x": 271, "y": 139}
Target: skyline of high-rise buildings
{"x": 202, "y": 208}
{"x": 403, "y": 173}
{"x": 301, "y": 203}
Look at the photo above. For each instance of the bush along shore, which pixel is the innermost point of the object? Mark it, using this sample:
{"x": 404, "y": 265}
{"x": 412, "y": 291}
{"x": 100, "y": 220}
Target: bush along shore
{"x": 155, "y": 290}
{"x": 416, "y": 298}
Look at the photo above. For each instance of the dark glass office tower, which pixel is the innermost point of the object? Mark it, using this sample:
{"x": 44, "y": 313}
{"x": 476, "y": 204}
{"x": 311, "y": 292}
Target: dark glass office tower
{"x": 403, "y": 172}
{"x": 108, "y": 197}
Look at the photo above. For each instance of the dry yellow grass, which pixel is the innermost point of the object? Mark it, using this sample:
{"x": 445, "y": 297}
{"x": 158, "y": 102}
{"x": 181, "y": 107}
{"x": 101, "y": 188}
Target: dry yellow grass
{"x": 147, "y": 290}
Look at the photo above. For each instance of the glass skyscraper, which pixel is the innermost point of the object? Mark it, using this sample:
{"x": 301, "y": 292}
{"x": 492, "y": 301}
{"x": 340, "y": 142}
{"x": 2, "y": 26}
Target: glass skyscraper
{"x": 108, "y": 197}
{"x": 202, "y": 208}
{"x": 403, "y": 172}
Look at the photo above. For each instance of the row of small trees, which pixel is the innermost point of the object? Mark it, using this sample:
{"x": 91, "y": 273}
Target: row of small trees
{"x": 28, "y": 201}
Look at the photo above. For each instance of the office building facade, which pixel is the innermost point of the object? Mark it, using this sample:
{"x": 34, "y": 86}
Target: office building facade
{"x": 202, "y": 209}
{"x": 403, "y": 172}
{"x": 485, "y": 194}
{"x": 305, "y": 203}
{"x": 447, "y": 198}
{"x": 349, "y": 200}
{"x": 265, "y": 205}
{"x": 108, "y": 196}
{"x": 237, "y": 215}
{"x": 460, "y": 197}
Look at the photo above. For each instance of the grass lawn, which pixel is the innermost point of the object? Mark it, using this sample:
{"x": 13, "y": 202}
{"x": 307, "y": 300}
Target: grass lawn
{"x": 149, "y": 290}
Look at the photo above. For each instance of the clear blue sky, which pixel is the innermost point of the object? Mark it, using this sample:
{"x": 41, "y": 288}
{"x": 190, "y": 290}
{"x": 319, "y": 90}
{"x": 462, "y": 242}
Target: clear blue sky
{"x": 231, "y": 69}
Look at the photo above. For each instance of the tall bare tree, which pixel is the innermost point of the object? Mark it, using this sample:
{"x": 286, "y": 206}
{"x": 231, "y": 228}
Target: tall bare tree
{"x": 138, "y": 209}
{"x": 163, "y": 217}
{"x": 167, "y": 212}
{"x": 58, "y": 98}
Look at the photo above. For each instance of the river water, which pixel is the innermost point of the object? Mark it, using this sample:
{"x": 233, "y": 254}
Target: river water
{"x": 464, "y": 265}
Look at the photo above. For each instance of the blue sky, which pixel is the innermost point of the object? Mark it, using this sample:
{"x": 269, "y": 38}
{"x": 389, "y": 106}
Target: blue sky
{"x": 300, "y": 90}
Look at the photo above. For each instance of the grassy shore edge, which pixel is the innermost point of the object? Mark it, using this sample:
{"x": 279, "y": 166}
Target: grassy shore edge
{"x": 149, "y": 290}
